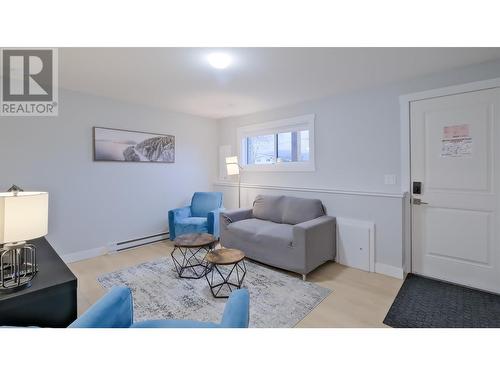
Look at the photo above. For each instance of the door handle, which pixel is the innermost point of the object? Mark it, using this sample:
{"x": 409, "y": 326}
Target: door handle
{"x": 418, "y": 201}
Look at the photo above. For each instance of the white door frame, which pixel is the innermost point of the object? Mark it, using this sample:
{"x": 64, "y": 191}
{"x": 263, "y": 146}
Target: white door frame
{"x": 404, "y": 103}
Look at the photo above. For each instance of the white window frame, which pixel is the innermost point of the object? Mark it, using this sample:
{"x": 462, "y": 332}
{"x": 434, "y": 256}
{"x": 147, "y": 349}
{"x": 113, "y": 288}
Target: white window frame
{"x": 305, "y": 122}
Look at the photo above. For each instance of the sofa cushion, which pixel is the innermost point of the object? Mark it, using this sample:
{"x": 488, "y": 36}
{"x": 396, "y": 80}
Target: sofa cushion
{"x": 299, "y": 210}
{"x": 280, "y": 234}
{"x": 268, "y": 207}
{"x": 249, "y": 226}
{"x": 256, "y": 230}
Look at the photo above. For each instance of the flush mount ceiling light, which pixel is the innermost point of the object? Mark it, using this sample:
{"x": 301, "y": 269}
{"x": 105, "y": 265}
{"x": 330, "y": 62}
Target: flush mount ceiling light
{"x": 219, "y": 60}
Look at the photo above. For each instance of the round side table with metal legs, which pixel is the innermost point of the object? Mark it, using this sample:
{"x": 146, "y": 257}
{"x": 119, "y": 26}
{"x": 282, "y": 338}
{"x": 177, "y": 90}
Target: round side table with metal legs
{"x": 226, "y": 271}
{"x": 190, "y": 252}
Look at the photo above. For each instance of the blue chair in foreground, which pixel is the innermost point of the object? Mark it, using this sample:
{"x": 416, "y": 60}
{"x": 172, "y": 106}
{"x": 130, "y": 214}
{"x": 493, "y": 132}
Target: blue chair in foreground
{"x": 202, "y": 216}
{"x": 115, "y": 310}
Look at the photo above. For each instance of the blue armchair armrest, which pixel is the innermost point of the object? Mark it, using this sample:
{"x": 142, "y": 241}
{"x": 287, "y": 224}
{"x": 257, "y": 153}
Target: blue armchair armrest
{"x": 175, "y": 214}
{"x": 213, "y": 222}
{"x": 237, "y": 310}
{"x": 114, "y": 310}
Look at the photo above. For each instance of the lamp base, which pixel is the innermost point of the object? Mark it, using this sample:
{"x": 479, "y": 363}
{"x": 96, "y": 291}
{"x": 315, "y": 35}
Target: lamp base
{"x": 15, "y": 289}
{"x": 17, "y": 266}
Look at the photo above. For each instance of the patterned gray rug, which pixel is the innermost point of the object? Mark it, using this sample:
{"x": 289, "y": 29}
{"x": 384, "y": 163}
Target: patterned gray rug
{"x": 277, "y": 300}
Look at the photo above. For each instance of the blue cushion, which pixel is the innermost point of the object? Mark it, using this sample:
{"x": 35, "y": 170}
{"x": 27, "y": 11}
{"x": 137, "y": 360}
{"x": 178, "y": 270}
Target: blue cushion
{"x": 204, "y": 202}
{"x": 191, "y": 225}
{"x": 173, "y": 324}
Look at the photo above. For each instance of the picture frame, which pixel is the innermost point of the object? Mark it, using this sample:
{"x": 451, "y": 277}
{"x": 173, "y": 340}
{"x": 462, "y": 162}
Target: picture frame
{"x": 121, "y": 145}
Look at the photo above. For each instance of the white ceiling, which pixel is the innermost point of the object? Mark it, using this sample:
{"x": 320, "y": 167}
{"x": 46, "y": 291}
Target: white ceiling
{"x": 180, "y": 79}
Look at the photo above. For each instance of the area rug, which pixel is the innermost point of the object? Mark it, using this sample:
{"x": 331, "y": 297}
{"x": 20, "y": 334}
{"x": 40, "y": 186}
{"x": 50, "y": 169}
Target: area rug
{"x": 277, "y": 300}
{"x": 427, "y": 303}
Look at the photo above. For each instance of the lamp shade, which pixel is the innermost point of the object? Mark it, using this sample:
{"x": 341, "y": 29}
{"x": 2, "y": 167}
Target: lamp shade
{"x": 232, "y": 160}
{"x": 232, "y": 166}
{"x": 232, "y": 169}
{"x": 23, "y": 216}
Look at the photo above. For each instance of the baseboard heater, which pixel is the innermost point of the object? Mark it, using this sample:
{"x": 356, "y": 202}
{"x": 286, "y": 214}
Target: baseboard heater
{"x": 130, "y": 244}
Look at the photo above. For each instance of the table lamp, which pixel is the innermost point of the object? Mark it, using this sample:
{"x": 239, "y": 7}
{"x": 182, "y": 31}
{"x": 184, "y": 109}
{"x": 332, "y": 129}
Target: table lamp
{"x": 233, "y": 168}
{"x": 23, "y": 217}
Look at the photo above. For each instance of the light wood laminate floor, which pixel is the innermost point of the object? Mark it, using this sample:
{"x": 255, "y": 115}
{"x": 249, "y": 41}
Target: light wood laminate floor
{"x": 359, "y": 299}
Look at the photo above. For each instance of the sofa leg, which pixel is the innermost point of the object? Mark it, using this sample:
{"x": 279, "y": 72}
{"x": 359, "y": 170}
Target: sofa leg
{"x": 303, "y": 277}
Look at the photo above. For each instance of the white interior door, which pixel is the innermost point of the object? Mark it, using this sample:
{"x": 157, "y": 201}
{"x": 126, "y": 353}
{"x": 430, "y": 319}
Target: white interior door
{"x": 455, "y": 143}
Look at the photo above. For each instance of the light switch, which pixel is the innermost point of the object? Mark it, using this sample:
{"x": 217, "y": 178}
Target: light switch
{"x": 390, "y": 179}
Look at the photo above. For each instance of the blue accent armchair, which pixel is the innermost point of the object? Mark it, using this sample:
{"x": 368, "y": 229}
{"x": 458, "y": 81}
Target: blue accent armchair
{"x": 115, "y": 310}
{"x": 202, "y": 216}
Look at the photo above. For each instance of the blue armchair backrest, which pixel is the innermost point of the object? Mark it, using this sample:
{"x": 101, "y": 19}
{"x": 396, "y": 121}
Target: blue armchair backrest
{"x": 237, "y": 310}
{"x": 204, "y": 202}
{"x": 114, "y": 310}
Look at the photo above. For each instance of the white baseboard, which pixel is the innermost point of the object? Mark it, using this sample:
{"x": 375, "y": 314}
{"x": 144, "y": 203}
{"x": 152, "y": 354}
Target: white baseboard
{"x": 388, "y": 270}
{"x": 84, "y": 254}
{"x": 112, "y": 248}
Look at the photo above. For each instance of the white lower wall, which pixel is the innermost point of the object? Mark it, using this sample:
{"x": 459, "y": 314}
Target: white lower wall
{"x": 384, "y": 210}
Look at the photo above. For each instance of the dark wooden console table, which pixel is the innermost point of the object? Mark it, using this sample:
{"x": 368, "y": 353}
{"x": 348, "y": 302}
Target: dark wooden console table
{"x": 51, "y": 299}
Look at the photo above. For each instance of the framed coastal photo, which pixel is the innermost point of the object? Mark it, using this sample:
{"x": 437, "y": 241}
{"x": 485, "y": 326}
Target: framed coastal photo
{"x": 132, "y": 146}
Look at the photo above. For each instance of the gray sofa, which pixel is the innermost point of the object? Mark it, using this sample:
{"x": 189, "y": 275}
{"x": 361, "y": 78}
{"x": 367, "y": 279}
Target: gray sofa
{"x": 285, "y": 232}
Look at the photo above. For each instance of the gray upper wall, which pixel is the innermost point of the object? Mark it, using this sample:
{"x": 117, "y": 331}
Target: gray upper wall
{"x": 93, "y": 204}
{"x": 357, "y": 134}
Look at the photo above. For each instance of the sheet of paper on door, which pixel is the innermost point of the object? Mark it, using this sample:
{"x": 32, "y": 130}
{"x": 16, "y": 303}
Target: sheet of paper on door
{"x": 456, "y": 141}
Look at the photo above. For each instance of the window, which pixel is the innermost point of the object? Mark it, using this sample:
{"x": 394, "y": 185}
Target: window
{"x": 261, "y": 149}
{"x": 278, "y": 145}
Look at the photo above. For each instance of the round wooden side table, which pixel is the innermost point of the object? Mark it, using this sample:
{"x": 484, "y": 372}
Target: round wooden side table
{"x": 221, "y": 277}
{"x": 190, "y": 252}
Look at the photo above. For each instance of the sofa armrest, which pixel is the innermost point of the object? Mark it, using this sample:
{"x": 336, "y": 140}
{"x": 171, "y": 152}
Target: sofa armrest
{"x": 114, "y": 310}
{"x": 213, "y": 220}
{"x": 318, "y": 234}
{"x": 228, "y": 217}
{"x": 174, "y": 215}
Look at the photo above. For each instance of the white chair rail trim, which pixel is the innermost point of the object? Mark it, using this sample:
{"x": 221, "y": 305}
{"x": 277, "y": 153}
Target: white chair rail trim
{"x": 309, "y": 189}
